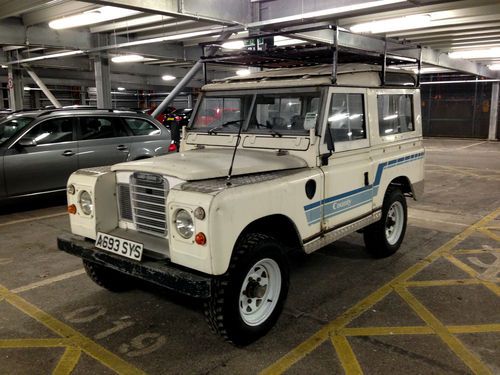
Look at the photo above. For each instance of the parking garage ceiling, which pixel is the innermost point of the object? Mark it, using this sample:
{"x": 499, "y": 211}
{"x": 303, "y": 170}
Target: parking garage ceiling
{"x": 60, "y": 34}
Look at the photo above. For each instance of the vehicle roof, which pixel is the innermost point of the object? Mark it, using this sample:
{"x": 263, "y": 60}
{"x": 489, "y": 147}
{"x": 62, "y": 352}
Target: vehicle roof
{"x": 38, "y": 113}
{"x": 355, "y": 74}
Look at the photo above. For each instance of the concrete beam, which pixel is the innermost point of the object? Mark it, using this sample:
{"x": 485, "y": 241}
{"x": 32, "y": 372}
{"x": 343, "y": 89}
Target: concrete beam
{"x": 9, "y": 8}
{"x": 55, "y": 11}
{"x": 222, "y": 12}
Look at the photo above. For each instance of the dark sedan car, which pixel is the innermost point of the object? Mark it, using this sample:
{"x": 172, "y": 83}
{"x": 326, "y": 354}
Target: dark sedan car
{"x": 40, "y": 149}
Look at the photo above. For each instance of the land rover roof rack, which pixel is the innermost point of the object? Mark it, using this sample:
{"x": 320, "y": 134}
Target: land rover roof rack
{"x": 325, "y": 44}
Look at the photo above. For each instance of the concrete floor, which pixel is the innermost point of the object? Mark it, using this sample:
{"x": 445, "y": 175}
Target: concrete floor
{"x": 432, "y": 308}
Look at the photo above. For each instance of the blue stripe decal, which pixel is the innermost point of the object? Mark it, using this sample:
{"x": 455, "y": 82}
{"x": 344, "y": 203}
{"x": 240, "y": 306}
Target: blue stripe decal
{"x": 355, "y": 198}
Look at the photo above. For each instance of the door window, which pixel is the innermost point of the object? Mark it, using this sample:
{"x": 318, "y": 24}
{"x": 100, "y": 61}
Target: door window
{"x": 101, "y": 127}
{"x": 395, "y": 114}
{"x": 52, "y": 131}
{"x": 141, "y": 127}
{"x": 346, "y": 119}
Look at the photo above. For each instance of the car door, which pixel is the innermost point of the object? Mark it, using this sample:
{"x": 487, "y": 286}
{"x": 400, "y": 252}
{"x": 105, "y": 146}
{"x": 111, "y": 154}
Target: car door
{"x": 45, "y": 161}
{"x": 102, "y": 140}
{"x": 147, "y": 138}
{"x": 349, "y": 168}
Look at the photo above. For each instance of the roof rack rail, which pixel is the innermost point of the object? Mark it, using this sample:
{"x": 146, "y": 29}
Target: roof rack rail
{"x": 327, "y": 44}
{"x": 85, "y": 108}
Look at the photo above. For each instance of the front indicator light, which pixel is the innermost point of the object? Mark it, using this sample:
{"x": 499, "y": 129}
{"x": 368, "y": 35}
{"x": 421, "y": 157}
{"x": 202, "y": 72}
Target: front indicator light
{"x": 72, "y": 209}
{"x": 184, "y": 223}
{"x": 71, "y": 189}
{"x": 199, "y": 213}
{"x": 200, "y": 238}
{"x": 86, "y": 203}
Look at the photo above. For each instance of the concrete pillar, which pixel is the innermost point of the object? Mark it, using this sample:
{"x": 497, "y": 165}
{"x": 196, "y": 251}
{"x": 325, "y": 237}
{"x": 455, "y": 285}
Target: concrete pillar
{"x": 102, "y": 81}
{"x": 16, "y": 88}
{"x": 83, "y": 95}
{"x": 492, "y": 133}
{"x": 190, "y": 100}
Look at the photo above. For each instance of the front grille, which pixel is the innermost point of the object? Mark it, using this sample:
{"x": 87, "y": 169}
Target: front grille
{"x": 148, "y": 194}
{"x": 124, "y": 203}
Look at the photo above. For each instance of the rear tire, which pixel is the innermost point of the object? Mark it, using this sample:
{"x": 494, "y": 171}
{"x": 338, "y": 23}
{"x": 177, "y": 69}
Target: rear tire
{"x": 107, "y": 278}
{"x": 384, "y": 237}
{"x": 248, "y": 299}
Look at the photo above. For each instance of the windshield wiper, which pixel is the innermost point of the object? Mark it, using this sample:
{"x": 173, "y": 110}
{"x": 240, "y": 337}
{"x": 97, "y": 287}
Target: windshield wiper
{"x": 215, "y": 129}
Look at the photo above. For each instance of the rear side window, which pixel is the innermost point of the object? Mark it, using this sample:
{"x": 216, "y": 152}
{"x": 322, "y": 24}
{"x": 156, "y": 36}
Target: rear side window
{"x": 395, "y": 114}
{"x": 141, "y": 127}
{"x": 52, "y": 131}
{"x": 101, "y": 127}
{"x": 346, "y": 118}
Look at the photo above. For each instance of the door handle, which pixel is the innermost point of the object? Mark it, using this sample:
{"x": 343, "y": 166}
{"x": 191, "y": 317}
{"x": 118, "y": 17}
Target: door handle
{"x": 68, "y": 153}
{"x": 367, "y": 180}
{"x": 122, "y": 148}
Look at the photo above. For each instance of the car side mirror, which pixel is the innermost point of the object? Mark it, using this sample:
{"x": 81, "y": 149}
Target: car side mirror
{"x": 27, "y": 142}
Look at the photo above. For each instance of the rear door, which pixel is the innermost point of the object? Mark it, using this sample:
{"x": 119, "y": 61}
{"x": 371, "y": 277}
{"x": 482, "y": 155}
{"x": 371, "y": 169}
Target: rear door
{"x": 102, "y": 140}
{"x": 45, "y": 166}
{"x": 148, "y": 139}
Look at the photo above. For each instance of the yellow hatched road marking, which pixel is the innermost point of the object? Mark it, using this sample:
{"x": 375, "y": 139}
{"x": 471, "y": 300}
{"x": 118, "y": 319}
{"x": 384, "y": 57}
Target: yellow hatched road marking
{"x": 33, "y": 343}
{"x": 455, "y": 344}
{"x": 478, "y": 328}
{"x": 426, "y": 283}
{"x": 306, "y": 347}
{"x": 346, "y": 355}
{"x": 386, "y": 331}
{"x": 93, "y": 349}
{"x": 68, "y": 361}
{"x": 476, "y": 251}
{"x": 490, "y": 234}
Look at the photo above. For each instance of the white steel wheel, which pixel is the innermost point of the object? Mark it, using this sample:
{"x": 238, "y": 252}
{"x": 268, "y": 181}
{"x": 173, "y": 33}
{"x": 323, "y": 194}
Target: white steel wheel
{"x": 260, "y": 292}
{"x": 394, "y": 222}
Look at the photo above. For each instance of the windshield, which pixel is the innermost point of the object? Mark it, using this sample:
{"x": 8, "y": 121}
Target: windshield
{"x": 275, "y": 113}
{"x": 10, "y": 127}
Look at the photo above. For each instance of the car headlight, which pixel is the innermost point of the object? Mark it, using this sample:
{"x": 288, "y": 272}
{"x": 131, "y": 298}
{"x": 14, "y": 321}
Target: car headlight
{"x": 86, "y": 203}
{"x": 184, "y": 223}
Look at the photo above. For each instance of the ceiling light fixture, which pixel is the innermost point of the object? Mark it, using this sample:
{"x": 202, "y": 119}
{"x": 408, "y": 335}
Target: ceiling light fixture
{"x": 120, "y": 88}
{"x": 91, "y": 17}
{"x": 417, "y": 21}
{"x": 4, "y": 66}
{"x": 127, "y": 58}
{"x": 494, "y": 67}
{"x": 243, "y": 72}
{"x": 168, "y": 77}
{"x": 237, "y": 44}
{"x": 476, "y": 54}
{"x": 281, "y": 41}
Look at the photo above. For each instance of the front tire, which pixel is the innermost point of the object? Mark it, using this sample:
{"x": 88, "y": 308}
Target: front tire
{"x": 107, "y": 278}
{"x": 248, "y": 299}
{"x": 384, "y": 237}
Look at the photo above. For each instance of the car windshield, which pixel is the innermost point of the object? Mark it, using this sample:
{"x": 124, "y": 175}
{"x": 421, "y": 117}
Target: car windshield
{"x": 10, "y": 127}
{"x": 268, "y": 113}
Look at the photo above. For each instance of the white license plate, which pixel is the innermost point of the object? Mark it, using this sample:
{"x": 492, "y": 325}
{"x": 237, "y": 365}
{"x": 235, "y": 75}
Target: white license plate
{"x": 119, "y": 246}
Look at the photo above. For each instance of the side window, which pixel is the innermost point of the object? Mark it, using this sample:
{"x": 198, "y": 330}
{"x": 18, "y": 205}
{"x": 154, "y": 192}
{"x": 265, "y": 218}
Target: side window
{"x": 101, "y": 127}
{"x": 52, "y": 131}
{"x": 141, "y": 127}
{"x": 395, "y": 114}
{"x": 346, "y": 118}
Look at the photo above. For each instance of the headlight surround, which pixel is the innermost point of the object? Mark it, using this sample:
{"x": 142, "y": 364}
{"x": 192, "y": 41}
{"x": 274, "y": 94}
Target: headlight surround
{"x": 86, "y": 203}
{"x": 184, "y": 223}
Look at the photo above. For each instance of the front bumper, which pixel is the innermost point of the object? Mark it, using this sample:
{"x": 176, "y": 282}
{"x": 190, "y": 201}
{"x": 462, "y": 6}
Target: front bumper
{"x": 159, "y": 272}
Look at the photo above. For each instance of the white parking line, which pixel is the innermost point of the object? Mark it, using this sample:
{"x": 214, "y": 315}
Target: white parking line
{"x": 48, "y": 281}
{"x": 472, "y": 145}
{"x": 32, "y": 219}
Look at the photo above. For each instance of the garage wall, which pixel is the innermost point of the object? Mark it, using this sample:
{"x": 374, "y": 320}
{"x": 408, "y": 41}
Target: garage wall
{"x": 456, "y": 110}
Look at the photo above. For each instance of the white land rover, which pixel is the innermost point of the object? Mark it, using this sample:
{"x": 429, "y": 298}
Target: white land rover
{"x": 276, "y": 161}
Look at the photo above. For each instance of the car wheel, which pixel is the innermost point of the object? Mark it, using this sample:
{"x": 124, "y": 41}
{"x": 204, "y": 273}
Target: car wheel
{"x": 107, "y": 278}
{"x": 384, "y": 237}
{"x": 247, "y": 301}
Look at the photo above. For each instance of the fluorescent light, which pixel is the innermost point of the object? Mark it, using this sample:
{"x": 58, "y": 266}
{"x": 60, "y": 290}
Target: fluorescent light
{"x": 243, "y": 72}
{"x": 120, "y": 88}
{"x": 476, "y": 54}
{"x": 391, "y": 117}
{"x": 394, "y": 24}
{"x": 281, "y": 41}
{"x": 127, "y": 58}
{"x": 494, "y": 67}
{"x": 168, "y": 77}
{"x": 91, "y": 17}
{"x": 4, "y": 66}
{"x": 27, "y": 88}
{"x": 170, "y": 37}
{"x": 237, "y": 44}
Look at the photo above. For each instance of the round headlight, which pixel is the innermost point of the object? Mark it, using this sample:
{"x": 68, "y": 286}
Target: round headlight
{"x": 184, "y": 223}
{"x": 86, "y": 203}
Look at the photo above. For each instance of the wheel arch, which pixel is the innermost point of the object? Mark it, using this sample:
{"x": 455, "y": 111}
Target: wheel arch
{"x": 279, "y": 226}
{"x": 404, "y": 184}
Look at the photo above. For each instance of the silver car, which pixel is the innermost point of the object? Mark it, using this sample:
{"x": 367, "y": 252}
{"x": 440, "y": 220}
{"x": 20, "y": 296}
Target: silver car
{"x": 40, "y": 149}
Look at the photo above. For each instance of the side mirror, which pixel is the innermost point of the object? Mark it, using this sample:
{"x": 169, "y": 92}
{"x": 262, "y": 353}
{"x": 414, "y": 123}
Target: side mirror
{"x": 27, "y": 142}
